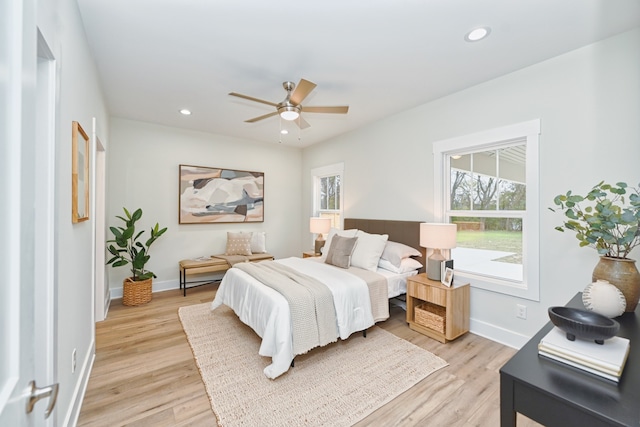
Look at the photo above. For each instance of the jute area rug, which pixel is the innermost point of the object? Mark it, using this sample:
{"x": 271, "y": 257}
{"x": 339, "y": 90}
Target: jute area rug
{"x": 336, "y": 385}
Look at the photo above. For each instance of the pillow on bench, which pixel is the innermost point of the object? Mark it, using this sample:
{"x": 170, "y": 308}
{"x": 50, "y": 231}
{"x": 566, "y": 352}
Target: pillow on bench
{"x": 238, "y": 244}
{"x": 258, "y": 242}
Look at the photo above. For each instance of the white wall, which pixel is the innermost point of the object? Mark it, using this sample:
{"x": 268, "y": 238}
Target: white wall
{"x": 143, "y": 162}
{"x": 79, "y": 98}
{"x": 588, "y": 102}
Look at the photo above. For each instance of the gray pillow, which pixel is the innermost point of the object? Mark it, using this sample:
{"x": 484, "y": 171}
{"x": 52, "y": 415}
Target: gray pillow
{"x": 340, "y": 251}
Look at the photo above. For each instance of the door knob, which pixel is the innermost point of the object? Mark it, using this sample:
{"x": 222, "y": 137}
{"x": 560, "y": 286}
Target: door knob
{"x": 40, "y": 393}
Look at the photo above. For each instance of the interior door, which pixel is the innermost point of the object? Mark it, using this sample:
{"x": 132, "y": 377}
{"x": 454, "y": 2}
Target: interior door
{"x": 18, "y": 115}
{"x": 16, "y": 315}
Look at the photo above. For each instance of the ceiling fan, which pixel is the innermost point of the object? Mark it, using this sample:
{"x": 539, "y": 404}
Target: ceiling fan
{"x": 291, "y": 108}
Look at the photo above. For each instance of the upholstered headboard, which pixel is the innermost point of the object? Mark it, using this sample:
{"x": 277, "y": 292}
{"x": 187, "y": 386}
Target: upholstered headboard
{"x": 407, "y": 232}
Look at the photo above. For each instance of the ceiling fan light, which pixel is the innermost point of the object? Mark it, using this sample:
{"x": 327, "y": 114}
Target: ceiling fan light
{"x": 289, "y": 113}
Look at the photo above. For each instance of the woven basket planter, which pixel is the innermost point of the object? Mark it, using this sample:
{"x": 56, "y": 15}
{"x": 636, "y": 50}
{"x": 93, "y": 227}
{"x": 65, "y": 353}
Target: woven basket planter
{"x": 136, "y": 293}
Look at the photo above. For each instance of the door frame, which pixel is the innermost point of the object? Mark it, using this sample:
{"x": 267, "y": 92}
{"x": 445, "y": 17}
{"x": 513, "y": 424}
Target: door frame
{"x": 101, "y": 296}
{"x": 45, "y": 315}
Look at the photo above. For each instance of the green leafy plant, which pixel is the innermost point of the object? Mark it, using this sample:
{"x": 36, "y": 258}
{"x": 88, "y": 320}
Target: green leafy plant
{"x": 127, "y": 248}
{"x": 610, "y": 221}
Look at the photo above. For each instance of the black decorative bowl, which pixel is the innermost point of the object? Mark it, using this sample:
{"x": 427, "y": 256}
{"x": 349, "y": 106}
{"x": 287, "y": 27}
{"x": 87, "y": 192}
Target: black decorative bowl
{"x": 583, "y": 324}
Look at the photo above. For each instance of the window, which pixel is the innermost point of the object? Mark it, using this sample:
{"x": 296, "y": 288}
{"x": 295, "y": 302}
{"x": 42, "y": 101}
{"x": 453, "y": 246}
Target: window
{"x": 487, "y": 183}
{"x": 327, "y": 190}
{"x": 487, "y": 199}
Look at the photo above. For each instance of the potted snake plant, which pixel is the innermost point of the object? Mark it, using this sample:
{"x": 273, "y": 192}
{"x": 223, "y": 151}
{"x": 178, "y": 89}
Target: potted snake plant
{"x": 127, "y": 248}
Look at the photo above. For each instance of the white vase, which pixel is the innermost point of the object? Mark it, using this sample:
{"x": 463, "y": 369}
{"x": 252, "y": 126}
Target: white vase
{"x": 603, "y": 298}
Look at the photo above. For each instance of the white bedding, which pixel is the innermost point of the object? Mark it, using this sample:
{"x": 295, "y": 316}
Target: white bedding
{"x": 396, "y": 282}
{"x": 266, "y": 311}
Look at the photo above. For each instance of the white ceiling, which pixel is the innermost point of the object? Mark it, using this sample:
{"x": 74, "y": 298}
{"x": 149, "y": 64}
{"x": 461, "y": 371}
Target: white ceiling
{"x": 379, "y": 57}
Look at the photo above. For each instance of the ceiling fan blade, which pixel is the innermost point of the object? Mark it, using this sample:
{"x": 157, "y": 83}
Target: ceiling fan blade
{"x": 330, "y": 110}
{"x": 251, "y": 98}
{"x": 255, "y": 119}
{"x": 301, "y": 91}
{"x": 302, "y": 123}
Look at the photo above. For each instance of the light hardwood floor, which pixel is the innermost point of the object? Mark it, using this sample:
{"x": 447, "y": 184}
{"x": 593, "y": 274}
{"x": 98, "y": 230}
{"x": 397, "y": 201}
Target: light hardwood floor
{"x": 145, "y": 375}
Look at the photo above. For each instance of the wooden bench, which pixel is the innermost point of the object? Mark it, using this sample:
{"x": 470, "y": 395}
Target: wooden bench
{"x": 211, "y": 265}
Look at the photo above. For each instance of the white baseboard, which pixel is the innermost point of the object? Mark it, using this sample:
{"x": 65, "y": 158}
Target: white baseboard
{"x": 498, "y": 334}
{"x": 165, "y": 285}
{"x": 73, "y": 413}
{"x": 107, "y": 304}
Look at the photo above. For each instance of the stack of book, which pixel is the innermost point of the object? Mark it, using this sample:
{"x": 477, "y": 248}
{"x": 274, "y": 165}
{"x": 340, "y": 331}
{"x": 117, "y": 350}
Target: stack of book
{"x": 605, "y": 360}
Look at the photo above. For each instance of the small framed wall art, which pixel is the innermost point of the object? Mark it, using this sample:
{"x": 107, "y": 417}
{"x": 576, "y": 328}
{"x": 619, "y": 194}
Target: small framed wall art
{"x": 79, "y": 174}
{"x": 218, "y": 195}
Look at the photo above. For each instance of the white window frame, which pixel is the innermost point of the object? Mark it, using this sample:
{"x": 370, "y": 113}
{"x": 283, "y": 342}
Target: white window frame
{"x": 527, "y": 132}
{"x": 322, "y": 172}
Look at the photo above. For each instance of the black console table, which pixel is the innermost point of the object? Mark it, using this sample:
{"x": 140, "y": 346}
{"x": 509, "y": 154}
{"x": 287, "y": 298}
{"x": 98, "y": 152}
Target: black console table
{"x": 557, "y": 395}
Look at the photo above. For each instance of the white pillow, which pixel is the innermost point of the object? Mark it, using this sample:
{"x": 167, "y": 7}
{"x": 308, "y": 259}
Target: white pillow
{"x": 333, "y": 232}
{"x": 395, "y": 252}
{"x": 406, "y": 265}
{"x": 368, "y": 249}
{"x": 258, "y": 242}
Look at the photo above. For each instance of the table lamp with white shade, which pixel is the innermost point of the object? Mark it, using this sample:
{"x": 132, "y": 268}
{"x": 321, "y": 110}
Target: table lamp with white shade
{"x": 319, "y": 226}
{"x": 437, "y": 236}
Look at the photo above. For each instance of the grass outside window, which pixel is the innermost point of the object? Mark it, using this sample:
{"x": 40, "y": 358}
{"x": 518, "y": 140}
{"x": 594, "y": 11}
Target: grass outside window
{"x": 496, "y": 240}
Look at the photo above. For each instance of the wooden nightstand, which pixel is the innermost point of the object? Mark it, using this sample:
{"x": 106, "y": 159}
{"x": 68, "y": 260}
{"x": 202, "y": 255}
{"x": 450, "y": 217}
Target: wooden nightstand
{"x": 309, "y": 254}
{"x": 446, "y": 309}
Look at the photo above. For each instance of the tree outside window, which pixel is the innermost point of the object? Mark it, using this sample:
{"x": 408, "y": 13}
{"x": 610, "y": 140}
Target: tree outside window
{"x": 329, "y": 204}
{"x": 487, "y": 199}
{"x": 327, "y": 190}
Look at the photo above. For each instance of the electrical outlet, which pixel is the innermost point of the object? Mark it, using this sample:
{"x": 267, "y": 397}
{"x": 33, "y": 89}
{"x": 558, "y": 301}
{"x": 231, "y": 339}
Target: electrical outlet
{"x": 521, "y": 311}
{"x": 73, "y": 361}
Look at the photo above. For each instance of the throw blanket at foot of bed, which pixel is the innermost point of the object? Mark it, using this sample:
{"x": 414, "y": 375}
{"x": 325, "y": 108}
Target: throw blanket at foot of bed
{"x": 313, "y": 315}
{"x": 268, "y": 313}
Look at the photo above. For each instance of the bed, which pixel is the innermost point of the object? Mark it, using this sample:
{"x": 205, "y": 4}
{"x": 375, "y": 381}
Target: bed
{"x": 360, "y": 296}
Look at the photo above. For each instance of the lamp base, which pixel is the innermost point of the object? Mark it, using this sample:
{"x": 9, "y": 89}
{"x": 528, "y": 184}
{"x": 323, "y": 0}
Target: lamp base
{"x": 319, "y": 243}
{"x": 433, "y": 269}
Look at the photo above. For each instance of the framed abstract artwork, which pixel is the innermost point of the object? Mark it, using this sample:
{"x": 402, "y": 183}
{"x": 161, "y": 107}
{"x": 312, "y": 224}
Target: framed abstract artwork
{"x": 218, "y": 195}
{"x": 79, "y": 174}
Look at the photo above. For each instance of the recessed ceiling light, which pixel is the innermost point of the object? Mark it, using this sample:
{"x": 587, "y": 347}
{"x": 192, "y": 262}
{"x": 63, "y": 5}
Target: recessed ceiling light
{"x": 284, "y": 131}
{"x": 477, "y": 34}
{"x": 185, "y": 112}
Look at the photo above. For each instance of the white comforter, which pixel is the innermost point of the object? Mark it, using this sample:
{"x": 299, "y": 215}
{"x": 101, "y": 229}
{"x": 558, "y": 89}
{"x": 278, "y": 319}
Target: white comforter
{"x": 266, "y": 311}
